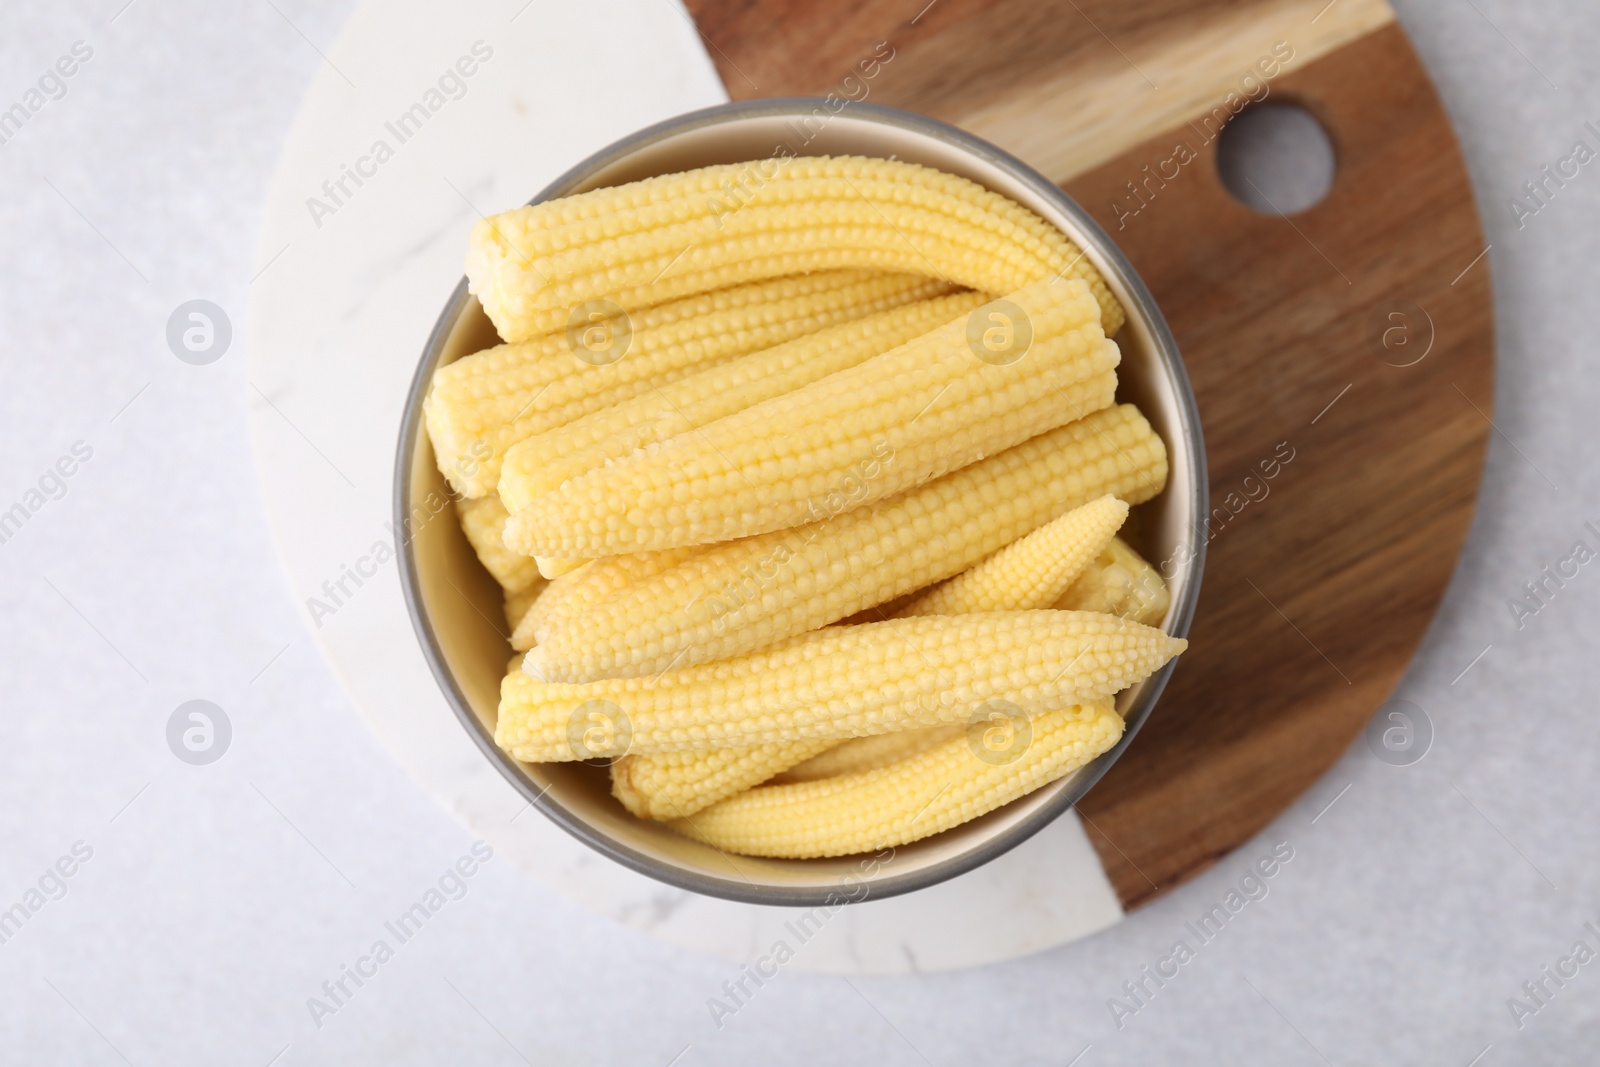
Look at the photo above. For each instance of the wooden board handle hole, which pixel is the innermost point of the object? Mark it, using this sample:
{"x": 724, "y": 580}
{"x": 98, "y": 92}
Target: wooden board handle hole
{"x": 1276, "y": 159}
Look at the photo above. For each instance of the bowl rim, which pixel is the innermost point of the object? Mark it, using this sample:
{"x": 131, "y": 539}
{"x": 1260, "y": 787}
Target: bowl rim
{"x": 1181, "y": 614}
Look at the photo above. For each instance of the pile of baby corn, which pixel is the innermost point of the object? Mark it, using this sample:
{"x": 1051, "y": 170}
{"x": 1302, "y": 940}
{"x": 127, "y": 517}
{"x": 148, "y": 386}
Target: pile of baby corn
{"x": 804, "y": 500}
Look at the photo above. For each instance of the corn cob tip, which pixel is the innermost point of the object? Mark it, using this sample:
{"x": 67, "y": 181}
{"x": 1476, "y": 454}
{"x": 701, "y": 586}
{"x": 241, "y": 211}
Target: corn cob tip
{"x": 556, "y": 566}
{"x": 518, "y": 604}
{"x": 626, "y": 792}
{"x": 677, "y": 785}
{"x": 483, "y": 520}
{"x": 1034, "y": 570}
{"x": 522, "y": 635}
{"x": 1121, "y": 583}
{"x": 533, "y": 664}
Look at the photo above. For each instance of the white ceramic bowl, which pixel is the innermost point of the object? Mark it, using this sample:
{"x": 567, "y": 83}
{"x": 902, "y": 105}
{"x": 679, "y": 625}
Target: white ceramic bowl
{"x": 456, "y": 608}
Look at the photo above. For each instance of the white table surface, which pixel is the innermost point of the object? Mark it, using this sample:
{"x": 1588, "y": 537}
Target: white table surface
{"x": 219, "y": 898}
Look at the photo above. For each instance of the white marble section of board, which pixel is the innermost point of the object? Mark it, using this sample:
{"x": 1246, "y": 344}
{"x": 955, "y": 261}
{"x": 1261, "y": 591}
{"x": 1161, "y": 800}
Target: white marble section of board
{"x": 363, "y": 239}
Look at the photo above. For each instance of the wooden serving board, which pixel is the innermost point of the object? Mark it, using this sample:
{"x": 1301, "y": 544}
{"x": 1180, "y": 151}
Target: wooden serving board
{"x": 1317, "y": 593}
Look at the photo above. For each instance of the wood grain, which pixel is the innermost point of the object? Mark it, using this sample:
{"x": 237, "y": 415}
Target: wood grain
{"x": 1035, "y": 78}
{"x": 1316, "y": 595}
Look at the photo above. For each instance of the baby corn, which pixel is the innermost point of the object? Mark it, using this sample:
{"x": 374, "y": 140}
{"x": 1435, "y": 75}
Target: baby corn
{"x": 556, "y": 566}
{"x": 1027, "y": 574}
{"x": 672, "y": 785}
{"x": 517, "y": 605}
{"x": 838, "y": 682}
{"x": 661, "y": 238}
{"x": 481, "y": 405}
{"x": 545, "y": 461}
{"x": 734, "y": 597}
{"x": 927, "y": 407}
{"x": 863, "y": 754}
{"x": 945, "y": 786}
{"x": 1120, "y": 583}
{"x": 1032, "y": 572}
{"x": 574, "y": 592}
{"x": 484, "y": 521}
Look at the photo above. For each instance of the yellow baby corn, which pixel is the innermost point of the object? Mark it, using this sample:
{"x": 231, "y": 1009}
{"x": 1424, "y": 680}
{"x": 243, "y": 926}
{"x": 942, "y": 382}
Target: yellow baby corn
{"x": 658, "y": 239}
{"x": 741, "y": 595}
{"x": 672, "y": 785}
{"x": 1031, "y": 572}
{"x": 483, "y": 521}
{"x": 576, "y": 591}
{"x": 544, "y": 461}
{"x": 945, "y": 786}
{"x": 481, "y": 405}
{"x": 649, "y": 204}
{"x": 927, "y": 407}
{"x": 1028, "y": 573}
{"x": 556, "y": 566}
{"x": 522, "y": 637}
{"x": 1120, "y": 583}
{"x": 517, "y": 605}
{"x": 863, "y": 754}
{"x": 838, "y": 682}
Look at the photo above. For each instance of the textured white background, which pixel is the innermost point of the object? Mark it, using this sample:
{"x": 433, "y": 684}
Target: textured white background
{"x": 221, "y": 897}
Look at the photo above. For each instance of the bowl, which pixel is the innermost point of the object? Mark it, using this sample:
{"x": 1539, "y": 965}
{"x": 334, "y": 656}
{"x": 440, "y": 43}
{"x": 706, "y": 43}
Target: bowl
{"x": 456, "y": 607}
